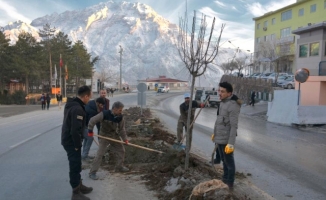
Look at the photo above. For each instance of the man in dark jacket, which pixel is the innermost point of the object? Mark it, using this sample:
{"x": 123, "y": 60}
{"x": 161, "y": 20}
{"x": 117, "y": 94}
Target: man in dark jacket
{"x": 182, "y": 122}
{"x": 72, "y": 137}
{"x": 113, "y": 126}
{"x": 103, "y": 94}
{"x": 92, "y": 108}
{"x": 59, "y": 99}
{"x": 225, "y": 130}
{"x": 253, "y": 95}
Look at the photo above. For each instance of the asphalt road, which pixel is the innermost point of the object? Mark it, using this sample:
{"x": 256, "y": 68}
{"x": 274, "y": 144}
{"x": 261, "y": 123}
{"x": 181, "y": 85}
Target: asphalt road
{"x": 284, "y": 162}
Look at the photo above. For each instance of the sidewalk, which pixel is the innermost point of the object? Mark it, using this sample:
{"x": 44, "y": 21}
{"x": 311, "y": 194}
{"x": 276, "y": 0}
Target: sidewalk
{"x": 259, "y": 109}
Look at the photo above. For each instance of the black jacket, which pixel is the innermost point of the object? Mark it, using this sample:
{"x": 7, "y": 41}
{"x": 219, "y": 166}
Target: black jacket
{"x": 74, "y": 123}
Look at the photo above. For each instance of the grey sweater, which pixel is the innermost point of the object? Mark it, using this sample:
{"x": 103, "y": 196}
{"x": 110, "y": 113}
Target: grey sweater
{"x": 226, "y": 124}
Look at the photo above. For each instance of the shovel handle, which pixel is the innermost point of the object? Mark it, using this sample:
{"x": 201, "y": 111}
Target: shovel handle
{"x": 129, "y": 144}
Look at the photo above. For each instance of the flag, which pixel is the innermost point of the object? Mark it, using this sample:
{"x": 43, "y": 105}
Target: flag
{"x": 61, "y": 63}
{"x": 66, "y": 70}
{"x": 55, "y": 72}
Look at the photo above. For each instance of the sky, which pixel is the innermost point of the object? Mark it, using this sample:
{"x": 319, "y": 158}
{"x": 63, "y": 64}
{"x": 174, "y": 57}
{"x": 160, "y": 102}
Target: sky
{"x": 236, "y": 14}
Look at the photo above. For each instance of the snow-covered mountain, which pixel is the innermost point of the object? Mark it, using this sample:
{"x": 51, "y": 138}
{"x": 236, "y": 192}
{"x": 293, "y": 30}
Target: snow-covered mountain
{"x": 148, "y": 40}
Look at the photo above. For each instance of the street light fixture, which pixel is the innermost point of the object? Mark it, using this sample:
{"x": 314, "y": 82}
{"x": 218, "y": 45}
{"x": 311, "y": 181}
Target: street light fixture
{"x": 121, "y": 50}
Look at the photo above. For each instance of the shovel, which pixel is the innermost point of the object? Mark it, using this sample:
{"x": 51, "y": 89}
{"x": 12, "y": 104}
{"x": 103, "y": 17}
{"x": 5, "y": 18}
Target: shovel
{"x": 180, "y": 146}
{"x": 129, "y": 144}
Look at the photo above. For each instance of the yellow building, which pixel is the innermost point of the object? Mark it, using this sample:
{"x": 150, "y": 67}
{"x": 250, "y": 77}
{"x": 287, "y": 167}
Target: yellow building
{"x": 275, "y": 45}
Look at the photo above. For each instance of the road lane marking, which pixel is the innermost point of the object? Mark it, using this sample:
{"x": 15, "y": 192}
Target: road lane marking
{"x": 22, "y": 142}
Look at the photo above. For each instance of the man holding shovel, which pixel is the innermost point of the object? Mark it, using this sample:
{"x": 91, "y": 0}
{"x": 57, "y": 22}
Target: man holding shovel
{"x": 182, "y": 122}
{"x": 112, "y": 123}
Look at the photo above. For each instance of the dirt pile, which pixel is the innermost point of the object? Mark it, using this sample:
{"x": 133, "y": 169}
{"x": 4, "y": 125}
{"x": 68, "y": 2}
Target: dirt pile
{"x": 165, "y": 172}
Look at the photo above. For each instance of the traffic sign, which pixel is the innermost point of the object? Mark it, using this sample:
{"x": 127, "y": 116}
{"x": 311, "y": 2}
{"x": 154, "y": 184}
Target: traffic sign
{"x": 141, "y": 87}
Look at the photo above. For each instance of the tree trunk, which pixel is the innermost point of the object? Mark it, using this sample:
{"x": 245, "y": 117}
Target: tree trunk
{"x": 188, "y": 123}
{"x": 26, "y": 85}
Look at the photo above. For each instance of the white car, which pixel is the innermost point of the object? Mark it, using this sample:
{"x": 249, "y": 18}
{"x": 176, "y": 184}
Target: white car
{"x": 163, "y": 89}
{"x": 273, "y": 75}
{"x": 289, "y": 83}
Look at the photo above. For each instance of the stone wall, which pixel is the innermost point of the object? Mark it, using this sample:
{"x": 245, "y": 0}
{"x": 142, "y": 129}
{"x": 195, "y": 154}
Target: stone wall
{"x": 242, "y": 87}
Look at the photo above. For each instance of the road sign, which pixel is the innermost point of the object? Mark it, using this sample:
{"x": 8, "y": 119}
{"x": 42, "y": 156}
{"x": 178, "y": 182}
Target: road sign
{"x": 141, "y": 87}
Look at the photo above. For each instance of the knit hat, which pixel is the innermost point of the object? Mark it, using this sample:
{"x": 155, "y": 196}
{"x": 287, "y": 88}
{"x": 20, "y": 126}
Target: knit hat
{"x": 187, "y": 95}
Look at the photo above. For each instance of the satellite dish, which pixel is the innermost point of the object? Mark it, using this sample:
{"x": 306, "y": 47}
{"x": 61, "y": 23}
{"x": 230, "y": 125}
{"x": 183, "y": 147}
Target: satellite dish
{"x": 301, "y": 75}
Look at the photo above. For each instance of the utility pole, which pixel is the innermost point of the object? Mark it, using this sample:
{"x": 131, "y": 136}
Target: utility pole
{"x": 121, "y": 50}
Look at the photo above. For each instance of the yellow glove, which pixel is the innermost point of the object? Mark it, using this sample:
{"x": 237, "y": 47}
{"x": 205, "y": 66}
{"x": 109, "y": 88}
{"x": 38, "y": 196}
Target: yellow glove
{"x": 229, "y": 148}
{"x": 212, "y": 137}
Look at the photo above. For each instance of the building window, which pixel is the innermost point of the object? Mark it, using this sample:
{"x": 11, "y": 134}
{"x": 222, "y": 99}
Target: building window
{"x": 286, "y": 32}
{"x": 272, "y": 37}
{"x": 265, "y": 38}
{"x": 265, "y": 23}
{"x": 273, "y": 21}
{"x": 301, "y": 12}
{"x": 314, "y": 49}
{"x": 258, "y": 26}
{"x": 286, "y": 15}
{"x": 313, "y": 8}
{"x": 258, "y": 40}
{"x": 303, "y": 50}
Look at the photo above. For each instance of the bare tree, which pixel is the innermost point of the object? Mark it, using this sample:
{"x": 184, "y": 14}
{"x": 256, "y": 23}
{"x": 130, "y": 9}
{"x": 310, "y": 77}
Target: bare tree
{"x": 278, "y": 54}
{"x": 196, "y": 50}
{"x": 240, "y": 64}
{"x": 106, "y": 74}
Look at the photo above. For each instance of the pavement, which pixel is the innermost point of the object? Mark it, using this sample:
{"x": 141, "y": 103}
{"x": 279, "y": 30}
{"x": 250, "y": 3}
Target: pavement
{"x": 259, "y": 109}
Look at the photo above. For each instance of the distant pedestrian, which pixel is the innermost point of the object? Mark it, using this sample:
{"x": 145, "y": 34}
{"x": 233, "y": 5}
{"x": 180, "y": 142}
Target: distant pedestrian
{"x": 74, "y": 122}
{"x": 148, "y": 88}
{"x": 48, "y": 100}
{"x": 111, "y": 92}
{"x": 59, "y": 99}
{"x": 253, "y": 95}
{"x": 42, "y": 99}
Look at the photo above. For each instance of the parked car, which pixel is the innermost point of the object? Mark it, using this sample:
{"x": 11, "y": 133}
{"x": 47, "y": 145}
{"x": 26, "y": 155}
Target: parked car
{"x": 163, "y": 89}
{"x": 265, "y": 76}
{"x": 284, "y": 79}
{"x": 273, "y": 75}
{"x": 256, "y": 75}
{"x": 288, "y": 83}
{"x": 214, "y": 99}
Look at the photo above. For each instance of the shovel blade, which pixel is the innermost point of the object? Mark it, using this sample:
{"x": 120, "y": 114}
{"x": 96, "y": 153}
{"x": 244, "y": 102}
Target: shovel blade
{"x": 179, "y": 147}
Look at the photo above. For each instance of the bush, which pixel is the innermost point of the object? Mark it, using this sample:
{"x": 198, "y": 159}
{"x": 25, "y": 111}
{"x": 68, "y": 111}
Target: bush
{"x": 16, "y": 98}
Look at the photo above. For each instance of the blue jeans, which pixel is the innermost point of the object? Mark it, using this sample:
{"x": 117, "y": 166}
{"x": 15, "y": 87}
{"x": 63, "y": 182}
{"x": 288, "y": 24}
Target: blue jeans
{"x": 87, "y": 143}
{"x": 228, "y": 165}
{"x": 217, "y": 157}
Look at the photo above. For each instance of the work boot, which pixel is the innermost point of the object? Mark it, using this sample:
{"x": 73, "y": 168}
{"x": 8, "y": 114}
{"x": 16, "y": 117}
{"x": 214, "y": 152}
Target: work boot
{"x": 77, "y": 195}
{"x": 93, "y": 176}
{"x": 122, "y": 169}
{"x": 84, "y": 189}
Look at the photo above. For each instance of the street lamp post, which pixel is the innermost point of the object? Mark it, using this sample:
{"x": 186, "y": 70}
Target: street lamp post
{"x": 121, "y": 50}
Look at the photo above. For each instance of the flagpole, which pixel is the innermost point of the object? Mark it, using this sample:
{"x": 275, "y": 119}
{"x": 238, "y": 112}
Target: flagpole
{"x": 60, "y": 73}
{"x": 66, "y": 81}
{"x": 55, "y": 78}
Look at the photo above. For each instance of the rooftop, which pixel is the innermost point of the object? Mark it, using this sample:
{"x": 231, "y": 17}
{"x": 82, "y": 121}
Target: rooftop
{"x": 309, "y": 28}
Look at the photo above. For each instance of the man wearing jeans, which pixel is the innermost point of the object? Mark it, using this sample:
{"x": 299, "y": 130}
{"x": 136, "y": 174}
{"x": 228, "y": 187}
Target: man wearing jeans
{"x": 225, "y": 130}
{"x": 92, "y": 108}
